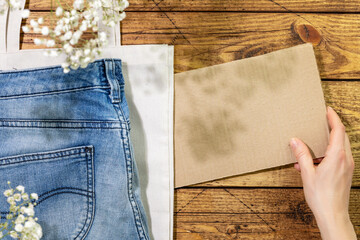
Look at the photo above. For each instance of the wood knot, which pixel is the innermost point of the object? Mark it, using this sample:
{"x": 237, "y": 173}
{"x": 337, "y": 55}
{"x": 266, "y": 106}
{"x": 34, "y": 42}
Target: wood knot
{"x": 233, "y": 230}
{"x": 307, "y": 33}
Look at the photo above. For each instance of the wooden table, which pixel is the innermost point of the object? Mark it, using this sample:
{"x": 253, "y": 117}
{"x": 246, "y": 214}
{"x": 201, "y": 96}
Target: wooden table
{"x": 267, "y": 204}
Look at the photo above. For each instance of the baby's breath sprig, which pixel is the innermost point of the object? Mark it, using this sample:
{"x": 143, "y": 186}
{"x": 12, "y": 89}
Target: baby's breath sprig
{"x": 71, "y": 23}
{"x": 20, "y": 221}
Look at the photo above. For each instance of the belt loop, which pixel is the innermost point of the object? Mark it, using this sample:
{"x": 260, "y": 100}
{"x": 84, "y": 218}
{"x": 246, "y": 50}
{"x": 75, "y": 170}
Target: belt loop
{"x": 115, "y": 93}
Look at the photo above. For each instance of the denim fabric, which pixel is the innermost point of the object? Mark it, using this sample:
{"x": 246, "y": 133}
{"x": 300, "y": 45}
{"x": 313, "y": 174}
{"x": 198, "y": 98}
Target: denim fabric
{"x": 66, "y": 137}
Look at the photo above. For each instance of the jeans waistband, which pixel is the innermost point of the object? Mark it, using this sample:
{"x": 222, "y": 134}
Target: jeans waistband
{"x": 102, "y": 73}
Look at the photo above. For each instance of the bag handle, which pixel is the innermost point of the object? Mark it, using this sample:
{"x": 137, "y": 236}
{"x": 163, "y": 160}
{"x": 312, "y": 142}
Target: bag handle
{"x": 13, "y": 29}
{"x": 12, "y": 34}
{"x": 3, "y": 25}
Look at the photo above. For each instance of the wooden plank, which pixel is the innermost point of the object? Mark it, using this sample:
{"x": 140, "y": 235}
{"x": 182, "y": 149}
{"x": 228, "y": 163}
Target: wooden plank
{"x": 227, "y": 5}
{"x": 239, "y": 213}
{"x": 205, "y": 39}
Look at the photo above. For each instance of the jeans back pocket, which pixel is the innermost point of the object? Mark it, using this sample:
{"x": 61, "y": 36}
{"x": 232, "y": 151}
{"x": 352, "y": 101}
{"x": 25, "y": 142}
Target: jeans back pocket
{"x": 64, "y": 182}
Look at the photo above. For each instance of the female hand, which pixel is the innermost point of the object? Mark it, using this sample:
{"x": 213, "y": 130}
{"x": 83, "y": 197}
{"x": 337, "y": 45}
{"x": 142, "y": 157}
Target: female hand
{"x": 327, "y": 185}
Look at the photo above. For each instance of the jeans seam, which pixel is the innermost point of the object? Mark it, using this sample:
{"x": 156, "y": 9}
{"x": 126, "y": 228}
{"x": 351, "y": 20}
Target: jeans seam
{"x": 129, "y": 171}
{"x": 55, "y": 92}
{"x": 90, "y": 204}
{"x": 61, "y": 124}
{"x": 128, "y": 163}
{"x": 42, "y": 157}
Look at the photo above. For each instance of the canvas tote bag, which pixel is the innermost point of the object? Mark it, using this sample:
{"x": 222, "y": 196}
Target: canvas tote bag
{"x": 149, "y": 89}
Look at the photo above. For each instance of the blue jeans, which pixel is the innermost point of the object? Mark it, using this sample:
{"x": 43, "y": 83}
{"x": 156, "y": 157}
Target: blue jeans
{"x": 66, "y": 138}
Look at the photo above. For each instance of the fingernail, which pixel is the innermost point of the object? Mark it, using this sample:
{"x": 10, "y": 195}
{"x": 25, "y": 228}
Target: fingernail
{"x": 293, "y": 143}
{"x": 328, "y": 108}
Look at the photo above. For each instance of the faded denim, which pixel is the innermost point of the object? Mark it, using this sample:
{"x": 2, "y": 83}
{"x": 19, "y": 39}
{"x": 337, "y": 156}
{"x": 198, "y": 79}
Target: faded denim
{"x": 66, "y": 137}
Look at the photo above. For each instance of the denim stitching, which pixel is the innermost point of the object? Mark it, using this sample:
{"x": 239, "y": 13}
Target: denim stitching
{"x": 55, "y": 120}
{"x": 92, "y": 203}
{"x": 116, "y": 80}
{"x": 69, "y": 127}
{"x": 128, "y": 164}
{"x": 89, "y": 203}
{"x": 87, "y": 212}
{"x": 129, "y": 171}
{"x": 46, "y": 155}
{"x": 62, "y": 188}
{"x": 60, "y": 192}
{"x": 62, "y": 124}
{"x": 53, "y": 92}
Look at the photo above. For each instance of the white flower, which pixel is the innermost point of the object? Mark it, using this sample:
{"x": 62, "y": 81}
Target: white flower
{"x": 78, "y": 4}
{"x": 45, "y": 31}
{"x": 41, "y": 20}
{"x": 17, "y": 197}
{"x": 20, "y": 219}
{"x": 13, "y": 234}
{"x": 29, "y": 211}
{"x": 30, "y": 223}
{"x": 59, "y": 11}
{"x": 122, "y": 16}
{"x": 50, "y": 43}
{"x": 25, "y": 29}
{"x": 25, "y": 196}
{"x": 10, "y": 200}
{"x": 34, "y": 23}
{"x": 1, "y": 235}
{"x": 34, "y": 196}
{"x": 37, "y": 41}
{"x": 8, "y": 192}
{"x": 68, "y": 48}
{"x": 67, "y": 35}
{"x": 32, "y": 229}
{"x": 19, "y": 227}
{"x": 65, "y": 65}
{"x": 25, "y": 13}
{"x": 20, "y": 188}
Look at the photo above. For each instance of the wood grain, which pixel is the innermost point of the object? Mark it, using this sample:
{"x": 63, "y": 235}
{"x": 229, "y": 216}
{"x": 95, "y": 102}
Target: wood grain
{"x": 233, "y": 213}
{"x": 227, "y": 5}
{"x": 210, "y": 38}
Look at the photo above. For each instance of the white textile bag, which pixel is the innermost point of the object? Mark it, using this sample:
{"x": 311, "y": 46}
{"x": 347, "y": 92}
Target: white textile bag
{"x": 149, "y": 88}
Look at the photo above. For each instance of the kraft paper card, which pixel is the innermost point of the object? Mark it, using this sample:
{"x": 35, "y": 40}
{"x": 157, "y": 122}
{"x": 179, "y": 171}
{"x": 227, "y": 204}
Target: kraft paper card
{"x": 239, "y": 117}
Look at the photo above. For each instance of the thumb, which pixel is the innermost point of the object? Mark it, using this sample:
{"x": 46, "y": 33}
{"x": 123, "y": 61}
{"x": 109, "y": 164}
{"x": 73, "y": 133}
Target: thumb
{"x": 303, "y": 156}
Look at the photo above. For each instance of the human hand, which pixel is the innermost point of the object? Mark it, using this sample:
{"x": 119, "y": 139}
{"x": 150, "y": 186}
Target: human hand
{"x": 327, "y": 185}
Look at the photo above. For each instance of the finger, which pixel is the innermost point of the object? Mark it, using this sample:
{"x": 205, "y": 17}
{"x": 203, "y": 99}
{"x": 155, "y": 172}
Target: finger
{"x": 303, "y": 156}
{"x": 337, "y": 134}
{"x": 297, "y": 167}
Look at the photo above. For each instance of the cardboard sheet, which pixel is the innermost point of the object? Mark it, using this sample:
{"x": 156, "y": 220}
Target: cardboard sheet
{"x": 239, "y": 117}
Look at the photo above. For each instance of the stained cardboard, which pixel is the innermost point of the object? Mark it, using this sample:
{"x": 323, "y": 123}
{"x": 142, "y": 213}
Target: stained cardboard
{"x": 239, "y": 117}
